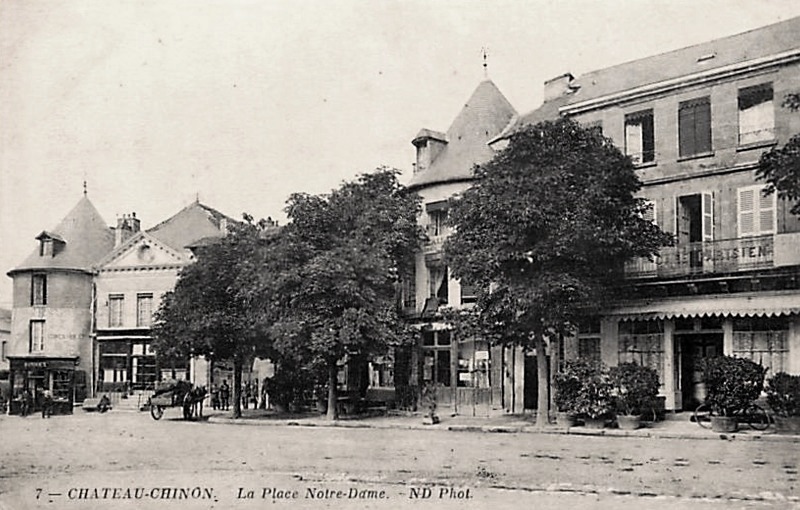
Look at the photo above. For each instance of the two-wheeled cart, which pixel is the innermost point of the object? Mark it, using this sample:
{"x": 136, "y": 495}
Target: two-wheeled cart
{"x": 184, "y": 396}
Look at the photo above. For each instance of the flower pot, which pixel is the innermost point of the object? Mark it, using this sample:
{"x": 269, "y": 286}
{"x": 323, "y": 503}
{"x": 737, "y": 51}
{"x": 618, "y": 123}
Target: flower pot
{"x": 787, "y": 425}
{"x": 594, "y": 423}
{"x": 566, "y": 419}
{"x": 629, "y": 422}
{"x": 724, "y": 424}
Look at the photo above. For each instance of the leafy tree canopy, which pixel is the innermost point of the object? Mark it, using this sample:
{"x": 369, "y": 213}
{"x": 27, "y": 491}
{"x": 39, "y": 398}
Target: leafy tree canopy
{"x": 549, "y": 223}
{"x": 780, "y": 166}
{"x": 547, "y": 226}
{"x": 347, "y": 250}
{"x": 210, "y": 312}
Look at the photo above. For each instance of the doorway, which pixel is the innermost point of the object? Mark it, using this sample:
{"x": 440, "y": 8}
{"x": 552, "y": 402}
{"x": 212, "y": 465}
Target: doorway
{"x": 694, "y": 349}
{"x": 531, "y": 382}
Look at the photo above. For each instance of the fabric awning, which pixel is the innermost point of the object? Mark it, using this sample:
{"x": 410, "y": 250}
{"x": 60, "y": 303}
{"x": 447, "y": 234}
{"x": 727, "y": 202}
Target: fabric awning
{"x": 710, "y": 306}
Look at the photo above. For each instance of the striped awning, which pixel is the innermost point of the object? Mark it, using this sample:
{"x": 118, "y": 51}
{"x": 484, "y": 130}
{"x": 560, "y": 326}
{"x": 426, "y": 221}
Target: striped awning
{"x": 710, "y": 306}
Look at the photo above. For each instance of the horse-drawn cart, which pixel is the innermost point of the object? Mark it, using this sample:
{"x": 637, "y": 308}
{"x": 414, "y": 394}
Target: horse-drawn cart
{"x": 177, "y": 394}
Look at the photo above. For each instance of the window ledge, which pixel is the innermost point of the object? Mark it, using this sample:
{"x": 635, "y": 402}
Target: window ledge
{"x": 649, "y": 164}
{"x": 756, "y": 145}
{"x": 696, "y": 156}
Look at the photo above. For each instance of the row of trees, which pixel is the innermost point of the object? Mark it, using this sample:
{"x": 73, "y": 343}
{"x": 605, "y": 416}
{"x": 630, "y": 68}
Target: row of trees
{"x": 544, "y": 232}
{"x": 306, "y": 295}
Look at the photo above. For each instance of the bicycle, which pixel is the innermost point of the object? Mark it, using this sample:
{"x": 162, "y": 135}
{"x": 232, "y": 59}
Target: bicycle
{"x": 755, "y": 416}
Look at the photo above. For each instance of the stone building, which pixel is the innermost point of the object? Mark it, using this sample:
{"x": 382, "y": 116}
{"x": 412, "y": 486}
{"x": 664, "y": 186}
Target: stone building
{"x": 695, "y": 122}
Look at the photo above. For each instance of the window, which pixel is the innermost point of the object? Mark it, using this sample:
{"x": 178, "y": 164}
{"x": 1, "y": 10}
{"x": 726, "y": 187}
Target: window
{"x": 756, "y": 114}
{"x": 642, "y": 342}
{"x": 144, "y": 310}
{"x": 469, "y": 293}
{"x": 640, "y": 137}
{"x": 694, "y": 127}
{"x": 46, "y": 248}
{"x": 589, "y": 340}
{"x": 39, "y": 290}
{"x": 408, "y": 288}
{"x": 763, "y": 340}
{"x": 438, "y": 283}
{"x": 36, "y": 342}
{"x": 756, "y": 213}
{"x": 116, "y": 304}
{"x": 436, "y": 362}
{"x": 438, "y": 223}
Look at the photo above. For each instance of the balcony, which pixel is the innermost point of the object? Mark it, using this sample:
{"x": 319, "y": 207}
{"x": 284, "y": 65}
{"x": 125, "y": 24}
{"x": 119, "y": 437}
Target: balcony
{"x": 720, "y": 256}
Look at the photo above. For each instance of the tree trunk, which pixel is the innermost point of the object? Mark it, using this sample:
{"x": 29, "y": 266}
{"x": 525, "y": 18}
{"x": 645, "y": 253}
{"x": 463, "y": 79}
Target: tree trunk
{"x": 237, "y": 389}
{"x": 542, "y": 411}
{"x": 333, "y": 372}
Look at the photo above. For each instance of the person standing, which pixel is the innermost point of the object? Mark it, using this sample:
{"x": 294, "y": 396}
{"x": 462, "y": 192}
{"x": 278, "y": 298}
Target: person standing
{"x": 47, "y": 403}
{"x": 225, "y": 395}
{"x": 215, "y": 397}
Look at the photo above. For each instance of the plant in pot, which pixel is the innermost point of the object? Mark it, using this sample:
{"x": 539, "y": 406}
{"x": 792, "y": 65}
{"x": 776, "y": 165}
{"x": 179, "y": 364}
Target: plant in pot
{"x": 634, "y": 387}
{"x": 732, "y": 384}
{"x": 783, "y": 397}
{"x": 567, "y": 385}
{"x": 594, "y": 400}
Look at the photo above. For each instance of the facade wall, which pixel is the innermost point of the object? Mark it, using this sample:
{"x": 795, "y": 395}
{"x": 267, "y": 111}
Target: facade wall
{"x": 731, "y": 165}
{"x": 129, "y": 284}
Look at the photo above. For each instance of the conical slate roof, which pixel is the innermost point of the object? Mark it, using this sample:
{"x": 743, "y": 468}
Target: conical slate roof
{"x": 484, "y": 116}
{"x": 82, "y": 239}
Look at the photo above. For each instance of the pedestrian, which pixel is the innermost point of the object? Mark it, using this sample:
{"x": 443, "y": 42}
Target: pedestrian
{"x": 215, "y": 397}
{"x": 25, "y": 401}
{"x": 246, "y": 396}
{"x": 47, "y": 403}
{"x": 225, "y": 395}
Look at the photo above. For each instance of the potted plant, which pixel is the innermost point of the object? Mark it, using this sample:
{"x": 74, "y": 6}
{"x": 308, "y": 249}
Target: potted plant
{"x": 634, "y": 387}
{"x": 594, "y": 399}
{"x": 783, "y": 397}
{"x": 567, "y": 385}
{"x": 731, "y": 385}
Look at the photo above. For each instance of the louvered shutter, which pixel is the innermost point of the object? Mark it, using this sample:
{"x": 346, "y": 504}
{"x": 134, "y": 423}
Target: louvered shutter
{"x": 766, "y": 213}
{"x": 702, "y": 127}
{"x": 707, "y": 206}
{"x": 686, "y": 131}
{"x": 746, "y": 208}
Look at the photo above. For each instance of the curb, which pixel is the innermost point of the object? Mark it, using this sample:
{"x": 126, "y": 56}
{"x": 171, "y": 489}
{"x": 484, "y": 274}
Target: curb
{"x": 577, "y": 431}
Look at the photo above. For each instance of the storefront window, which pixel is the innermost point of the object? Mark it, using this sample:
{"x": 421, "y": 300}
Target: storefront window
{"x": 763, "y": 340}
{"x": 436, "y": 357}
{"x": 473, "y": 364}
{"x": 642, "y": 342}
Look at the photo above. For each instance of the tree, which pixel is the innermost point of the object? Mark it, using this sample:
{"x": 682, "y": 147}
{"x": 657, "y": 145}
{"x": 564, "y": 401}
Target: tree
{"x": 346, "y": 250}
{"x": 547, "y": 226}
{"x": 211, "y": 312}
{"x": 780, "y": 166}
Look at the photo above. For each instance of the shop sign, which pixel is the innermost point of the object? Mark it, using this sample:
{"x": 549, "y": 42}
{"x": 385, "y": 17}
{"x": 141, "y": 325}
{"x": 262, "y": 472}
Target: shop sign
{"x": 34, "y": 364}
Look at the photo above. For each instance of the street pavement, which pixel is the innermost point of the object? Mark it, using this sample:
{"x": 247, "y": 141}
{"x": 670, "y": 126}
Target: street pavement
{"x": 128, "y": 460}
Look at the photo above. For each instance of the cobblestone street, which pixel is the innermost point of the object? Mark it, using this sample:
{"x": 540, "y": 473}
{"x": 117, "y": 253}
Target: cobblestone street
{"x": 130, "y": 451}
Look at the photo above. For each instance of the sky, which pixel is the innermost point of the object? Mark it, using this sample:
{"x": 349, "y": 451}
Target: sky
{"x": 240, "y": 102}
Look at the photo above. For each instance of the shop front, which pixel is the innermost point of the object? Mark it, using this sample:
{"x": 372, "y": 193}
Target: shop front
{"x": 676, "y": 337}
{"x": 31, "y": 376}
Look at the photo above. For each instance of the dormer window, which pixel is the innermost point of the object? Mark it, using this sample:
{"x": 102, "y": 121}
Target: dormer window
{"x": 50, "y": 244}
{"x": 46, "y": 248}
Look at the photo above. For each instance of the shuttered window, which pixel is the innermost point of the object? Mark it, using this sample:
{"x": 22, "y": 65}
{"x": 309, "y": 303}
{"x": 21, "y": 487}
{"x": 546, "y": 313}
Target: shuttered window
{"x": 640, "y": 137}
{"x": 756, "y": 213}
{"x": 694, "y": 127}
{"x": 756, "y": 114}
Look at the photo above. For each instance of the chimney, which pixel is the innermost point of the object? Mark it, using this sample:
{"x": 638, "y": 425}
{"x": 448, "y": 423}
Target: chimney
{"x": 127, "y": 226}
{"x": 429, "y": 144}
{"x": 558, "y": 86}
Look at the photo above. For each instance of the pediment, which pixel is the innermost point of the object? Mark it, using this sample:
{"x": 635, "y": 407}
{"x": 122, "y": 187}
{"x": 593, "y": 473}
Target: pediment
{"x": 143, "y": 251}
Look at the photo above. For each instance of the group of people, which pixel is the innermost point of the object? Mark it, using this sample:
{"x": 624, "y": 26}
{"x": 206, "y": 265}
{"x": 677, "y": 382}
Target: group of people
{"x": 221, "y": 396}
{"x": 27, "y": 402}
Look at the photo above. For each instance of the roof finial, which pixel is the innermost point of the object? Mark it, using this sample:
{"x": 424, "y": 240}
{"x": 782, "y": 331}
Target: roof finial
{"x": 84, "y": 188}
{"x": 197, "y": 197}
{"x": 484, "y": 50}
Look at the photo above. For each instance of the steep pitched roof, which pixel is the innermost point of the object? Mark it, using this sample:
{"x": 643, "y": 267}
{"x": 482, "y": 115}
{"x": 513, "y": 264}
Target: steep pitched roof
{"x": 192, "y": 223}
{"x": 86, "y": 239}
{"x": 483, "y": 117}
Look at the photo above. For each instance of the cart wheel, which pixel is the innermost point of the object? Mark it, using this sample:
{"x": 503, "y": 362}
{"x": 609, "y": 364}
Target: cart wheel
{"x": 188, "y": 410}
{"x": 156, "y": 412}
